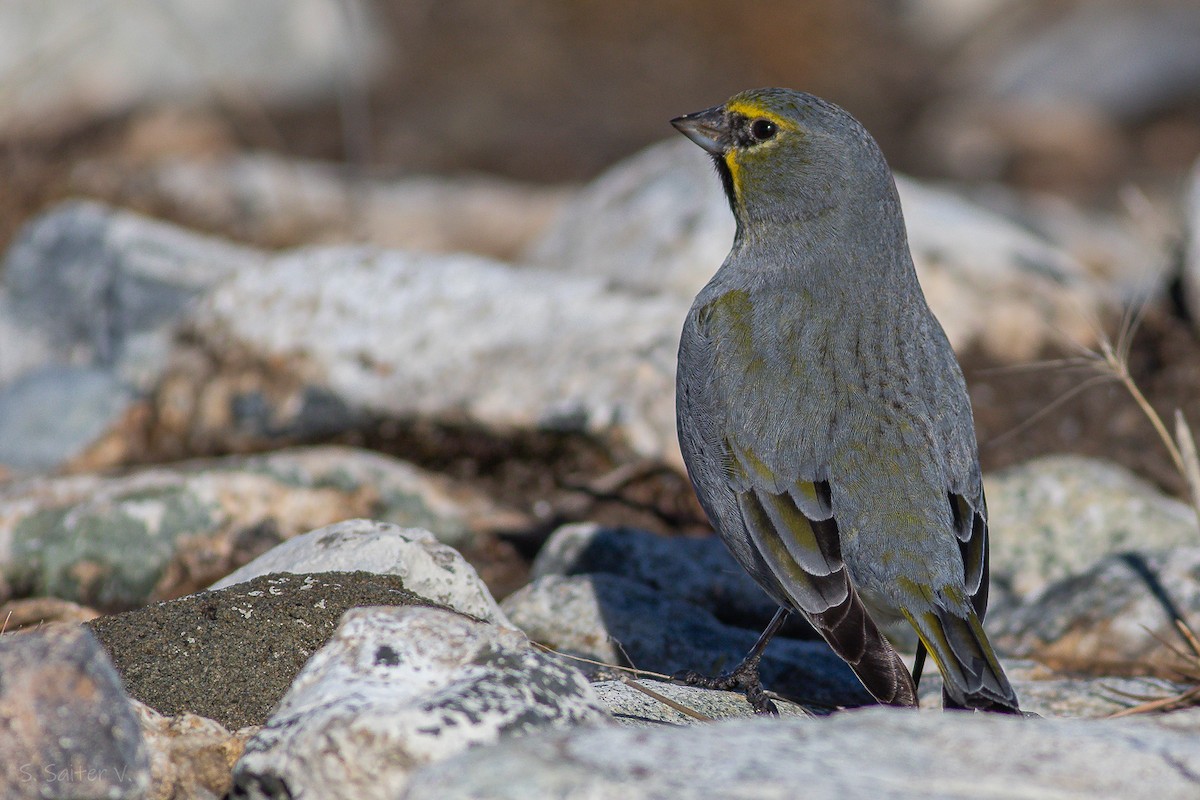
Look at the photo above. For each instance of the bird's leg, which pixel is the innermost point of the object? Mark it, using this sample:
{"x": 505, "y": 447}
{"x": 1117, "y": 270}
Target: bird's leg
{"x": 919, "y": 663}
{"x": 744, "y": 677}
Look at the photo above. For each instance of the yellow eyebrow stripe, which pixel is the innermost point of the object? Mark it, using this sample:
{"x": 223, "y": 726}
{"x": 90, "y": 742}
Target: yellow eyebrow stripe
{"x": 755, "y": 111}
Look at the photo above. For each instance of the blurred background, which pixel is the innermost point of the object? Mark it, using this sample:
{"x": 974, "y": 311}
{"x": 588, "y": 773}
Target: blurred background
{"x": 1077, "y": 98}
{"x": 256, "y": 121}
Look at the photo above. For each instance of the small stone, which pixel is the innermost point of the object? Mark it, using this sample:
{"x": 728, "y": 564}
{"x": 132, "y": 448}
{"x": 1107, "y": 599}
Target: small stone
{"x": 633, "y": 707}
{"x": 274, "y": 201}
{"x": 190, "y": 756}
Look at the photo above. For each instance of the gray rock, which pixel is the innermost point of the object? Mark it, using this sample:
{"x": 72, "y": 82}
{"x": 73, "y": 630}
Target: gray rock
{"x": 81, "y": 60}
{"x": 1111, "y": 619}
{"x": 878, "y": 752}
{"x": 658, "y": 222}
{"x": 635, "y": 708}
{"x": 455, "y": 340}
{"x": 93, "y": 279}
{"x": 616, "y": 621}
{"x": 699, "y": 571}
{"x": 161, "y": 532}
{"x": 49, "y": 416}
{"x": 70, "y": 731}
{"x": 1125, "y": 60}
{"x": 1063, "y": 83}
{"x": 89, "y": 301}
{"x": 1053, "y": 517}
{"x": 428, "y": 567}
{"x": 1047, "y": 693}
{"x": 399, "y": 688}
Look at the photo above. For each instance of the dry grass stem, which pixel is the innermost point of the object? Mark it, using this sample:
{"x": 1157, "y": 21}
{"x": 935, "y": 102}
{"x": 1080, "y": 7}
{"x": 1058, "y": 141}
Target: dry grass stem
{"x": 666, "y": 701}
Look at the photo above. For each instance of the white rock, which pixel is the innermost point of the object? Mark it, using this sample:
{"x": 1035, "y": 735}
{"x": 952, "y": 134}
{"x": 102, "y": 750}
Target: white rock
{"x": 67, "y": 62}
{"x": 428, "y": 567}
{"x": 656, "y": 221}
{"x": 660, "y": 222}
{"x": 1054, "y": 517}
{"x": 397, "y": 688}
{"x": 455, "y": 339}
{"x": 876, "y": 753}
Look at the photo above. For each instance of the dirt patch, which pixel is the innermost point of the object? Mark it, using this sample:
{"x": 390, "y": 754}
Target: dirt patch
{"x": 231, "y": 654}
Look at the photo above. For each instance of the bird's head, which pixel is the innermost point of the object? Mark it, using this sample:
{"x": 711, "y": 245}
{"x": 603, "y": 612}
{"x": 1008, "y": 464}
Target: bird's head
{"x": 789, "y": 157}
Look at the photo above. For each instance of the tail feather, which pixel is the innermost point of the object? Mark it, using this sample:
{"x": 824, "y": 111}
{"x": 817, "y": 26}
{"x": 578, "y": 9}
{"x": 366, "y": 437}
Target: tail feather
{"x": 853, "y": 635}
{"x": 971, "y": 674}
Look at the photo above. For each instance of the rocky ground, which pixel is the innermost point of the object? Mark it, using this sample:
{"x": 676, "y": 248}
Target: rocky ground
{"x": 324, "y": 483}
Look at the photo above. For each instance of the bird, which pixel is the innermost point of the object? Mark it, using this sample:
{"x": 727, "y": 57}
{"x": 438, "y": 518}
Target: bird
{"x": 822, "y": 415}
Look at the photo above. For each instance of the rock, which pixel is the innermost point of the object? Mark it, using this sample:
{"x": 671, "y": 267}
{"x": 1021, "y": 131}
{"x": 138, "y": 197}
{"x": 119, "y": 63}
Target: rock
{"x": 1053, "y": 517}
{"x": 160, "y": 532}
{"x": 69, "y": 729}
{"x": 89, "y": 301}
{"x": 658, "y": 222}
{"x": 633, "y": 707}
{"x": 230, "y": 655}
{"x": 699, "y": 571}
{"x": 427, "y": 567}
{"x": 1112, "y": 619}
{"x": 1050, "y": 91}
{"x": 277, "y": 202}
{"x": 1132, "y": 254}
{"x": 876, "y": 752}
{"x": 655, "y": 222}
{"x": 1047, "y": 693}
{"x": 94, "y": 279}
{"x": 98, "y": 60}
{"x": 58, "y": 414}
{"x": 37, "y": 611}
{"x": 400, "y": 688}
{"x": 190, "y": 756}
{"x": 1126, "y": 60}
{"x": 287, "y": 352}
{"x": 994, "y": 283}
{"x": 616, "y": 621}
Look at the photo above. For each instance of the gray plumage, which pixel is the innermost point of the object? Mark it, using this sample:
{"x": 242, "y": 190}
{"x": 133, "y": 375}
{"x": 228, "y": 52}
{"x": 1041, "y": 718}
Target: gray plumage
{"x": 822, "y": 414}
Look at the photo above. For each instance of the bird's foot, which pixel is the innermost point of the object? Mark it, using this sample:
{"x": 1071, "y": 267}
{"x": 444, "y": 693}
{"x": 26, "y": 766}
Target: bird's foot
{"x": 745, "y": 679}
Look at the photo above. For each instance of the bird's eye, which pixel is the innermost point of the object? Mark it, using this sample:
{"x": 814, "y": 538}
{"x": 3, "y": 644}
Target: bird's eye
{"x": 763, "y": 129}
